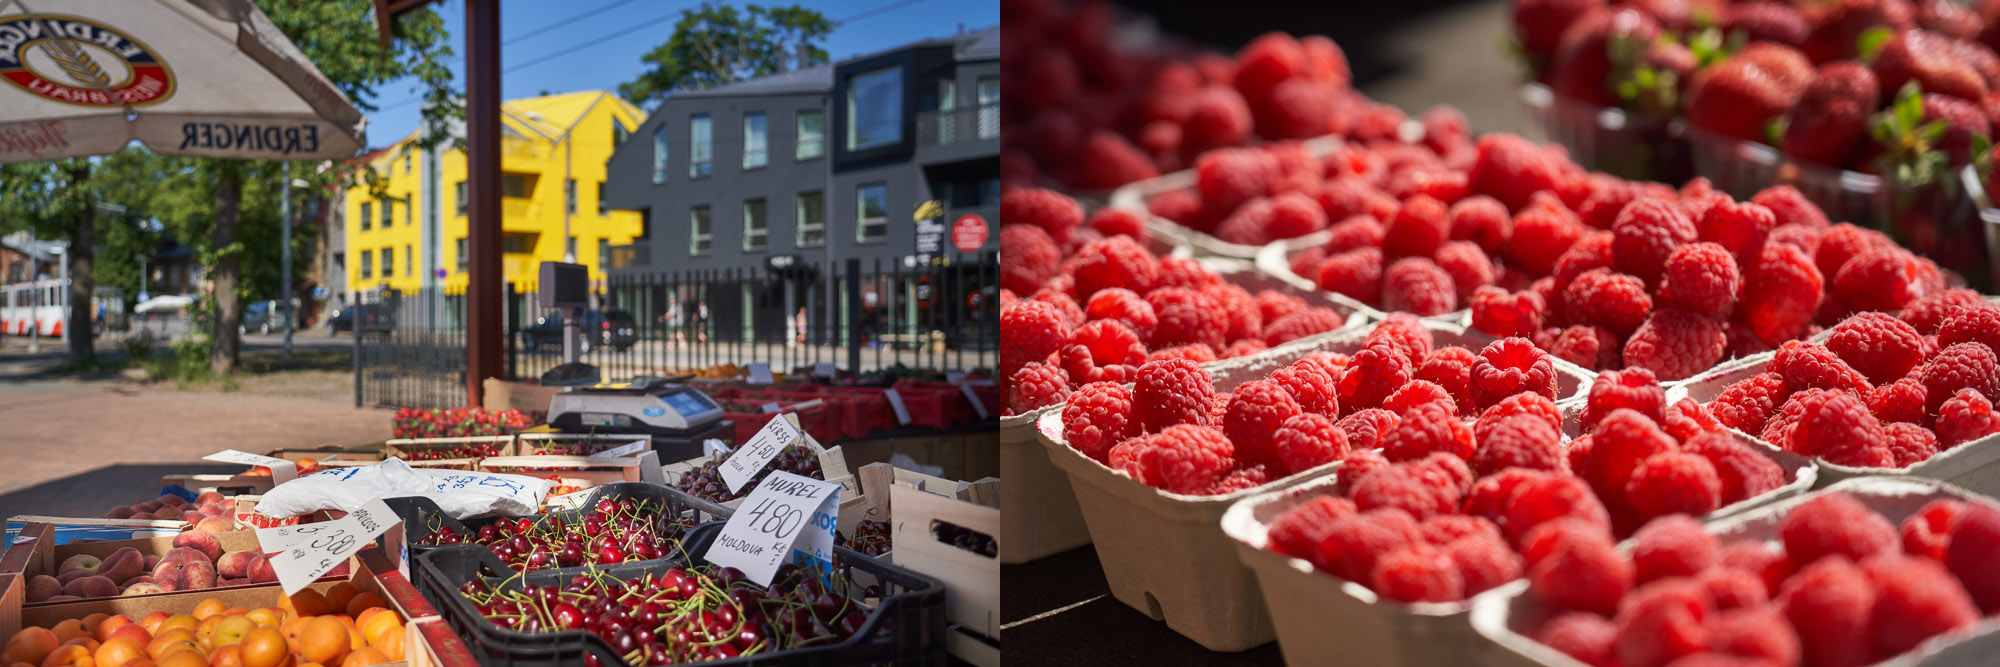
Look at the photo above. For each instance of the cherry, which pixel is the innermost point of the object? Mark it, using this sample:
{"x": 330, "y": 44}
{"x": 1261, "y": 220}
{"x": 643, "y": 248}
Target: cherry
{"x": 610, "y": 554}
{"x": 606, "y": 506}
{"x": 571, "y": 555}
{"x": 567, "y": 615}
{"x": 488, "y": 533}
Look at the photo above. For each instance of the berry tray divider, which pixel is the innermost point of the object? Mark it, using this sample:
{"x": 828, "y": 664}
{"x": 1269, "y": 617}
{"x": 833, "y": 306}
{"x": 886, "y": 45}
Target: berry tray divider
{"x": 1275, "y": 261}
{"x": 1974, "y": 465}
{"x": 1504, "y": 613}
{"x": 1133, "y": 196}
{"x": 912, "y": 611}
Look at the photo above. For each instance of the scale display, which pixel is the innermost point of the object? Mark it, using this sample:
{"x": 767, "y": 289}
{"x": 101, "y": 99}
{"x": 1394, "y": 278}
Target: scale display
{"x": 688, "y": 403}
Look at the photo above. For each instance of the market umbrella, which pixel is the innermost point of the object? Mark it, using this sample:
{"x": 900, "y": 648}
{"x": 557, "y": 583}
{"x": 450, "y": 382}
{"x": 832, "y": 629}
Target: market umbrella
{"x": 212, "y": 78}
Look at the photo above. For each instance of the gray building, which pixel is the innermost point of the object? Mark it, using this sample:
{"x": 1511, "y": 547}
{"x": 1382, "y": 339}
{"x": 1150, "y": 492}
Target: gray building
{"x": 871, "y": 158}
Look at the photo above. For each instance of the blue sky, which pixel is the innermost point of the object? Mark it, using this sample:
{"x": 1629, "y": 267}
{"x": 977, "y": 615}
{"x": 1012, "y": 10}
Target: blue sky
{"x": 551, "y": 60}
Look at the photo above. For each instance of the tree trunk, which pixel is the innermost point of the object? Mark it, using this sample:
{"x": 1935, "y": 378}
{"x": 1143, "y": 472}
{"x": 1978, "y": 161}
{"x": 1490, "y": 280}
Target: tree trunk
{"x": 82, "y": 283}
{"x": 228, "y": 266}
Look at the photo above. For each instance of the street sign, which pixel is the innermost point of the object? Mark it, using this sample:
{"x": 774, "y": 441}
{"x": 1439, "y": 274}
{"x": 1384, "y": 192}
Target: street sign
{"x": 968, "y": 233}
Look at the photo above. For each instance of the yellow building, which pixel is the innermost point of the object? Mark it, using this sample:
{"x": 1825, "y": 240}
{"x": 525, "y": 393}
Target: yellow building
{"x": 553, "y": 150}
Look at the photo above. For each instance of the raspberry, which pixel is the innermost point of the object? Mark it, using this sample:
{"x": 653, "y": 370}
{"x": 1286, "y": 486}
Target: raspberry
{"x": 1354, "y": 232}
{"x": 1589, "y": 638}
{"x": 1100, "y": 343}
{"x": 1484, "y": 561}
{"x": 1244, "y": 348}
{"x": 1971, "y": 324}
{"x": 1467, "y": 265}
{"x": 1306, "y": 441}
{"x": 1884, "y": 278}
{"x": 1584, "y": 574}
{"x": 1182, "y": 206}
{"x": 1419, "y": 574}
{"x": 1687, "y": 419}
{"x": 1510, "y": 366}
{"x": 1376, "y": 371}
{"x": 1125, "y": 306}
{"x": 1878, "y": 345}
{"x": 1273, "y": 304}
{"x": 1675, "y": 344}
{"x": 1749, "y": 636}
{"x": 1445, "y": 529}
{"x": 1578, "y": 453}
{"x": 1645, "y": 234}
{"x": 1451, "y": 369}
{"x": 1266, "y": 61}
{"x": 1418, "y": 392}
{"x": 1591, "y": 347}
{"x": 1239, "y": 310}
{"x": 1928, "y": 532}
{"x": 1830, "y": 602}
{"x": 1611, "y": 300}
{"x": 1199, "y": 353}
{"x": 1298, "y": 531}
{"x": 1619, "y": 442}
{"x": 1482, "y": 220}
{"x": 1098, "y": 416}
{"x": 1293, "y": 215}
{"x": 1962, "y": 366}
{"x": 1915, "y": 599}
{"x": 1965, "y": 417}
{"x": 1240, "y": 479}
{"x": 1837, "y": 426}
{"x": 1172, "y": 391}
{"x": 1520, "y": 441}
{"x": 1118, "y": 222}
{"x": 1229, "y": 177}
{"x": 1633, "y": 388}
{"x": 1029, "y": 331}
{"x": 1184, "y": 459}
{"x": 1406, "y": 333}
{"x": 1446, "y": 471}
{"x": 1186, "y": 316}
{"x": 1701, "y": 278}
{"x": 1354, "y": 544}
{"x": 1805, "y": 239}
{"x": 1542, "y": 234}
{"x": 1843, "y": 242}
{"x": 1672, "y": 546}
{"x": 1052, "y": 211}
{"x": 1311, "y": 385}
{"x": 1835, "y": 524}
{"x": 1593, "y": 251}
{"x": 1500, "y": 314}
{"x": 1780, "y": 293}
{"x": 1036, "y": 385}
{"x": 1490, "y": 496}
{"x": 1296, "y": 108}
{"x": 1553, "y": 497}
{"x": 1249, "y": 224}
{"x": 1738, "y": 228}
{"x": 1733, "y": 588}
{"x": 1357, "y": 466}
{"x": 1928, "y": 313}
{"x": 1748, "y": 403}
{"x": 1356, "y": 273}
{"x": 1790, "y": 206}
{"x": 1742, "y": 471}
{"x": 1430, "y": 427}
{"x": 1366, "y": 428}
{"x": 1417, "y": 228}
{"x": 1256, "y": 410}
{"x": 1534, "y": 405}
{"x": 1071, "y": 313}
{"x": 1662, "y": 621}
{"x": 1028, "y": 257}
{"x": 1300, "y": 324}
{"x": 1184, "y": 272}
{"x": 1674, "y": 483}
{"x": 1975, "y": 537}
{"x": 1418, "y": 285}
{"x": 1510, "y": 168}
{"x": 1808, "y": 365}
{"x": 1909, "y": 444}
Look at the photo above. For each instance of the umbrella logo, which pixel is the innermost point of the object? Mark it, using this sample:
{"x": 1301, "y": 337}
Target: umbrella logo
{"x": 74, "y": 60}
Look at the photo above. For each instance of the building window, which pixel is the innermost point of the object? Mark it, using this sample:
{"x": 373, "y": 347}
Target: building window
{"x": 812, "y": 134}
{"x": 409, "y": 261}
{"x": 388, "y": 213}
{"x": 645, "y": 223}
{"x": 618, "y": 132}
{"x": 367, "y": 265}
{"x": 701, "y": 145}
{"x": 513, "y": 185}
{"x": 406, "y": 162}
{"x": 700, "y": 235}
{"x": 603, "y": 254}
{"x": 875, "y": 108}
{"x": 947, "y": 125}
{"x": 660, "y": 154}
{"x": 871, "y": 212}
{"x": 409, "y": 210}
{"x": 367, "y": 215}
{"x": 464, "y": 257}
{"x": 812, "y": 219}
{"x": 989, "y": 191}
{"x": 755, "y": 141}
{"x": 989, "y": 107}
{"x": 569, "y": 248}
{"x": 461, "y": 197}
{"x": 516, "y": 243}
{"x": 388, "y": 262}
{"x": 602, "y": 209}
{"x": 569, "y": 196}
{"x": 756, "y": 230}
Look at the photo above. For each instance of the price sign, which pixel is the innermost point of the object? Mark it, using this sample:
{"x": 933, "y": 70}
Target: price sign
{"x": 281, "y": 470}
{"x": 760, "y": 373}
{"x": 305, "y": 553}
{"x": 769, "y": 407}
{"x": 788, "y": 517}
{"x": 973, "y": 396}
{"x": 896, "y": 404}
{"x": 751, "y": 457}
{"x": 624, "y": 450}
{"x": 825, "y": 369}
{"x": 712, "y": 446}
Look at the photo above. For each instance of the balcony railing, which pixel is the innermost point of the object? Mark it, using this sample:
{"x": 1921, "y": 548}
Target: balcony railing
{"x": 950, "y": 126}
{"x": 522, "y": 149}
{"x": 637, "y": 255}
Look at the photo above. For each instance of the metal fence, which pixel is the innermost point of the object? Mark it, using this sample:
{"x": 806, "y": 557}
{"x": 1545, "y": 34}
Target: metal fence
{"x": 870, "y": 318}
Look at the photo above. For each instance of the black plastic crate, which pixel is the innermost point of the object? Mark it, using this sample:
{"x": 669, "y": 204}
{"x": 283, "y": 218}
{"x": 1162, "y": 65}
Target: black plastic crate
{"x": 907, "y": 626}
{"x": 421, "y": 516}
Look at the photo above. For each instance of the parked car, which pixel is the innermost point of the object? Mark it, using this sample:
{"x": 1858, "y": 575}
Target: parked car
{"x": 372, "y": 319}
{"x": 257, "y": 317}
{"x": 613, "y": 328}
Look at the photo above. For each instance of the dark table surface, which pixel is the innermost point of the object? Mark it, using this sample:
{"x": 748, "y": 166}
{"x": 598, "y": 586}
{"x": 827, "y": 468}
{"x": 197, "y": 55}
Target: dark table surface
{"x": 1078, "y": 622}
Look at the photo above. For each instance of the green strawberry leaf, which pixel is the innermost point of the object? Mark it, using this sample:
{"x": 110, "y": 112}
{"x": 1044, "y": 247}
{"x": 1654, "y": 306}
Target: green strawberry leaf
{"x": 1932, "y": 131}
{"x": 1910, "y": 105}
{"x": 1774, "y": 132}
{"x": 1871, "y": 41}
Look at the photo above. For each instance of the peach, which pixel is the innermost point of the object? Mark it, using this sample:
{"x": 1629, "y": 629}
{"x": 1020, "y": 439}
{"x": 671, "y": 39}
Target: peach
{"x": 260, "y": 571}
{"x": 149, "y": 506}
{"x": 142, "y": 516}
{"x": 123, "y": 564}
{"x": 171, "y": 500}
{"x": 235, "y": 564}
{"x": 191, "y": 516}
{"x": 152, "y": 561}
{"x": 206, "y": 543}
{"x": 70, "y": 576}
{"x": 208, "y": 497}
{"x": 216, "y": 510}
{"x": 30, "y": 645}
{"x": 43, "y": 587}
{"x": 85, "y": 563}
{"x": 120, "y": 512}
{"x": 216, "y": 524}
{"x": 147, "y": 588}
{"x": 227, "y": 582}
{"x": 197, "y": 574}
{"x": 94, "y": 586}
{"x": 141, "y": 579}
{"x": 69, "y": 654}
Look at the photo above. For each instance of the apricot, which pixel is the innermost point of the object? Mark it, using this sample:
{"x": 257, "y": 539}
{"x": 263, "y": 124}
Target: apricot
{"x": 364, "y": 657}
{"x": 85, "y": 642}
{"x": 134, "y": 633}
{"x": 92, "y": 621}
{"x": 227, "y": 656}
{"x": 70, "y": 629}
{"x": 391, "y": 645}
{"x": 207, "y": 608}
{"x": 178, "y": 621}
{"x": 266, "y": 616}
{"x": 263, "y": 647}
{"x": 325, "y": 640}
{"x": 30, "y": 645}
{"x": 70, "y": 654}
{"x": 182, "y": 658}
{"x": 151, "y": 622}
{"x": 375, "y": 626}
{"x": 306, "y": 603}
{"x": 119, "y": 651}
{"x": 340, "y": 594}
{"x": 110, "y": 625}
{"x": 363, "y": 601}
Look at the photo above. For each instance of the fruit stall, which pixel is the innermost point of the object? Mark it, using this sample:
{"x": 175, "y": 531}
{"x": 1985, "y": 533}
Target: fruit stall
{"x": 1700, "y": 375}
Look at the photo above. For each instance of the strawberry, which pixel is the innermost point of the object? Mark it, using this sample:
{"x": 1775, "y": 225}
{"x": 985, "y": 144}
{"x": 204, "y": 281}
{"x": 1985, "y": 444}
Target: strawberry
{"x": 1963, "y": 121}
{"x": 1837, "y": 27}
{"x": 1949, "y": 18}
{"x": 1595, "y": 47}
{"x": 1739, "y": 96}
{"x": 1830, "y": 120}
{"x": 1765, "y": 22}
{"x": 1539, "y": 25}
{"x": 1932, "y": 61}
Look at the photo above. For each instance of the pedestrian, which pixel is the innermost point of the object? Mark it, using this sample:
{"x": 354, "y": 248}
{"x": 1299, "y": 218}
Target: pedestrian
{"x": 799, "y": 326}
{"x": 701, "y": 321}
{"x": 673, "y": 318}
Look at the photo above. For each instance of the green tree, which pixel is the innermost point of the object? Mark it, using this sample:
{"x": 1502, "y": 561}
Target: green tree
{"x": 717, "y": 44}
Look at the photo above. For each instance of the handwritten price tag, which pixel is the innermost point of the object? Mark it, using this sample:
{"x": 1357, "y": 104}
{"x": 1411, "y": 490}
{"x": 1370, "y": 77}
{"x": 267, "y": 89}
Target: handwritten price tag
{"x": 787, "y": 517}
{"x": 625, "y": 450}
{"x": 751, "y": 457}
{"x": 305, "y": 553}
{"x": 281, "y": 470}
{"x": 760, "y": 373}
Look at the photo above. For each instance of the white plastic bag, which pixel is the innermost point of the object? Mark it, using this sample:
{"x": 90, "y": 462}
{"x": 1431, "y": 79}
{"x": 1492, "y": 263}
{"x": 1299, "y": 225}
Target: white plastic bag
{"x": 459, "y": 493}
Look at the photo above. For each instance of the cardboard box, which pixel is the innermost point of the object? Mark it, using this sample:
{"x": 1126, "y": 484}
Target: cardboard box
{"x": 187, "y": 486}
{"x": 67, "y": 529}
{"x": 528, "y": 398}
{"x": 971, "y": 581}
{"x": 15, "y": 614}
